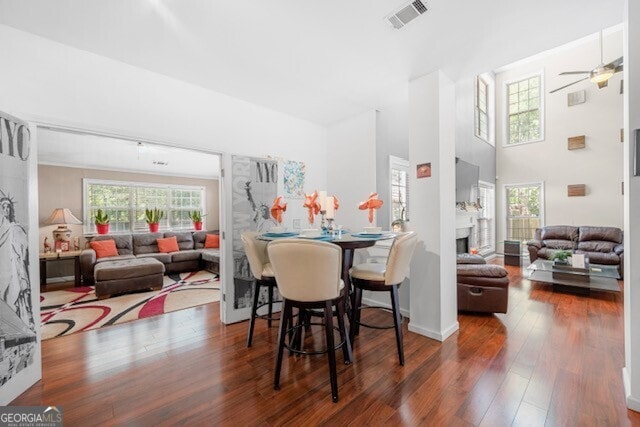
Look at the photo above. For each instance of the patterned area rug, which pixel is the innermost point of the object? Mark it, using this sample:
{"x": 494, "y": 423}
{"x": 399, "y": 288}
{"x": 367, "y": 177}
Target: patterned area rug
{"x": 77, "y": 309}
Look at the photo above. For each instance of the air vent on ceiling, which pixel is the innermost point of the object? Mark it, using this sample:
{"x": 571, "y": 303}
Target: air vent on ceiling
{"x": 406, "y": 14}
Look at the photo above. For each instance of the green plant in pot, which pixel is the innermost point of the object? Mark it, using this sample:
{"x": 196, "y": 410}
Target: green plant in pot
{"x": 561, "y": 256}
{"x": 196, "y": 217}
{"x": 101, "y": 220}
{"x": 153, "y": 217}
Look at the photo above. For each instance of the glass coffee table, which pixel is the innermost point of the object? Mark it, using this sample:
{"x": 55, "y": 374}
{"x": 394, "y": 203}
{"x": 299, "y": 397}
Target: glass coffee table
{"x": 565, "y": 278}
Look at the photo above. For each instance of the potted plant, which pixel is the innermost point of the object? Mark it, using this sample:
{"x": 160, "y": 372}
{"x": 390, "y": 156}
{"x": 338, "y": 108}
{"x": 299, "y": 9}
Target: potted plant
{"x": 153, "y": 217}
{"x": 561, "y": 256}
{"x": 101, "y": 220}
{"x": 196, "y": 217}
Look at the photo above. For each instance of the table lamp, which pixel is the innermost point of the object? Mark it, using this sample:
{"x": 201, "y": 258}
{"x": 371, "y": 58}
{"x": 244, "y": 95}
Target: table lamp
{"x": 62, "y": 216}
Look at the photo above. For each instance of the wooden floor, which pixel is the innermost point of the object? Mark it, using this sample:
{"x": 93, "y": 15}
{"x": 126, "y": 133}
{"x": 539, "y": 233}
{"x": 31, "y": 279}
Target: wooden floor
{"x": 554, "y": 359}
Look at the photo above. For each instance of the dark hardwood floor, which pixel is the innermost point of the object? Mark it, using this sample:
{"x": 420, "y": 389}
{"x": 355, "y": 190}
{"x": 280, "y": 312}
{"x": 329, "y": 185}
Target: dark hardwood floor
{"x": 554, "y": 359}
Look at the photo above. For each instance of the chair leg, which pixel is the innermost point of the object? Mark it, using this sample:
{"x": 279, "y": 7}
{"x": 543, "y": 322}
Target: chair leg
{"x": 284, "y": 322}
{"x": 254, "y": 309}
{"x": 397, "y": 321}
{"x": 358, "y": 310}
{"x": 270, "y": 306}
{"x": 355, "y": 310}
{"x": 344, "y": 334}
{"x": 331, "y": 353}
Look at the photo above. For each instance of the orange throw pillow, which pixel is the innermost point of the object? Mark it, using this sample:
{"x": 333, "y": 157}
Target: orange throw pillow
{"x": 169, "y": 244}
{"x": 212, "y": 241}
{"x": 104, "y": 248}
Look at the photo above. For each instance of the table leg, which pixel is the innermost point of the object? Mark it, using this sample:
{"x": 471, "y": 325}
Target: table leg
{"x": 77, "y": 272}
{"x": 347, "y": 263}
{"x": 43, "y": 275}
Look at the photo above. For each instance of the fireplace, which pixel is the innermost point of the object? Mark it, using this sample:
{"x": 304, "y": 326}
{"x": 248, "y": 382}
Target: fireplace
{"x": 462, "y": 245}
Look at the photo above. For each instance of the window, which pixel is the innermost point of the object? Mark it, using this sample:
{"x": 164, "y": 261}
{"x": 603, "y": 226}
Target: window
{"x": 482, "y": 109}
{"x": 399, "y": 171}
{"x": 485, "y": 237}
{"x": 524, "y": 210}
{"x": 524, "y": 110}
{"x": 125, "y": 203}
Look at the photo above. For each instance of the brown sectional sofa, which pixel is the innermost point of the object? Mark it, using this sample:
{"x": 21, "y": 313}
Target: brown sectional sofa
{"x": 144, "y": 245}
{"x": 602, "y": 245}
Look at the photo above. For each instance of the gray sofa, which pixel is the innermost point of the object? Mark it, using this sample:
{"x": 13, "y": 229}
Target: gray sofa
{"x": 144, "y": 245}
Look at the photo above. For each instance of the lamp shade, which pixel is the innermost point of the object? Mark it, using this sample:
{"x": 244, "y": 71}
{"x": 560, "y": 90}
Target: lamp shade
{"x": 62, "y": 216}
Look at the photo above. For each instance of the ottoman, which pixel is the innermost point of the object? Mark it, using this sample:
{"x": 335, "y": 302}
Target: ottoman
{"x": 116, "y": 277}
{"x": 211, "y": 260}
{"x": 482, "y": 288}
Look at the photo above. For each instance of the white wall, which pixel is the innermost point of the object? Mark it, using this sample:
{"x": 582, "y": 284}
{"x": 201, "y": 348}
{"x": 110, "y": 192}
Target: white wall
{"x": 599, "y": 119}
{"x": 351, "y": 171}
{"x": 631, "y": 371}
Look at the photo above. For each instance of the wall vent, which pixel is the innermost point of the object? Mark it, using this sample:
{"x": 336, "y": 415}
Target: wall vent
{"x": 406, "y": 14}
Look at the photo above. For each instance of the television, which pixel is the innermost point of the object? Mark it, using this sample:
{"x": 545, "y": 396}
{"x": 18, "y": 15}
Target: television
{"x": 467, "y": 176}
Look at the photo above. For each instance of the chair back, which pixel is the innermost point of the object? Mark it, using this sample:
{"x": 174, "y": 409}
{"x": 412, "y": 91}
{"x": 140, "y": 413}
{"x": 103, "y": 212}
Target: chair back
{"x": 306, "y": 270}
{"x": 400, "y": 258}
{"x": 256, "y": 251}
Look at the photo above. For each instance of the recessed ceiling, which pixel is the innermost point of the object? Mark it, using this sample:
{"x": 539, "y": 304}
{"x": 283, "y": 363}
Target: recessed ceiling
{"x": 318, "y": 60}
{"x": 87, "y": 151}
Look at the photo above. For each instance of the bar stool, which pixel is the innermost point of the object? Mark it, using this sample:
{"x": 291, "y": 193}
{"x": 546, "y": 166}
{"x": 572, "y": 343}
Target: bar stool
{"x": 309, "y": 273}
{"x": 379, "y": 277}
{"x": 256, "y": 251}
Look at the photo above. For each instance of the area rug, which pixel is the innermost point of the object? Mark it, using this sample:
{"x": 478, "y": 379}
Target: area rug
{"x": 77, "y": 309}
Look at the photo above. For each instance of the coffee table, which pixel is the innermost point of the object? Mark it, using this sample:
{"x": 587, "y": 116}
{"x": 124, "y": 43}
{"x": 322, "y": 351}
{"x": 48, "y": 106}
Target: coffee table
{"x": 575, "y": 280}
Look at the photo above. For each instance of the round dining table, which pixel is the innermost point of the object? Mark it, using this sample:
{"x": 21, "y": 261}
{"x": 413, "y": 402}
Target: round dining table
{"x": 347, "y": 241}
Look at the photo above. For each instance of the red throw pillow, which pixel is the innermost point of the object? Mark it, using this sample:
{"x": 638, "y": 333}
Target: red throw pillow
{"x": 104, "y": 248}
{"x": 168, "y": 244}
{"x": 212, "y": 241}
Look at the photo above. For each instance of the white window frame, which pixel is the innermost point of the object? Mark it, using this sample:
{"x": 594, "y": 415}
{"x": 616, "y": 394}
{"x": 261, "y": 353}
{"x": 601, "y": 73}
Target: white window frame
{"x": 87, "y": 211}
{"x": 492, "y": 247}
{"x": 490, "y": 83}
{"x": 505, "y": 204}
{"x": 505, "y": 104}
{"x": 398, "y": 163}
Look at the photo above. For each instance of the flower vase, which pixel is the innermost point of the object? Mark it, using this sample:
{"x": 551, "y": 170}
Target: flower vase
{"x": 102, "y": 228}
{"x": 153, "y": 227}
{"x": 197, "y": 225}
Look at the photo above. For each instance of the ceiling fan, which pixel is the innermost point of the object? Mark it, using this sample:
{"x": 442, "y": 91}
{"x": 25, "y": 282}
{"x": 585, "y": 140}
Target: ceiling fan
{"x": 599, "y": 75}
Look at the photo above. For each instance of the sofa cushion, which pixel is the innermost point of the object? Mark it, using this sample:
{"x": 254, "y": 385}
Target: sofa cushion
{"x": 116, "y": 258}
{"x": 164, "y": 258}
{"x": 104, "y": 248}
{"x": 610, "y": 234}
{"x": 547, "y": 253}
{"x": 127, "y": 269}
{"x": 146, "y": 243}
{"x": 184, "y": 238}
{"x": 123, "y": 242}
{"x": 212, "y": 241}
{"x": 469, "y": 259}
{"x": 188, "y": 255}
{"x": 168, "y": 244}
{"x": 210, "y": 254}
{"x": 597, "y": 246}
{"x": 559, "y": 244}
{"x": 601, "y": 258}
{"x": 559, "y": 232}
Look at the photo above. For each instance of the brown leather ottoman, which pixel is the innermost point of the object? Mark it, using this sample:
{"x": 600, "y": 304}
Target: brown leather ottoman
{"x": 117, "y": 277}
{"x": 482, "y": 288}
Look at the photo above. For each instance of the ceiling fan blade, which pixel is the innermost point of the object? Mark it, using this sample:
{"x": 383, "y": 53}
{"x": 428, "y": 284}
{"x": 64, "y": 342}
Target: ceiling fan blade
{"x": 603, "y": 84}
{"x": 566, "y": 73}
{"x": 618, "y": 69}
{"x": 560, "y": 88}
{"x": 614, "y": 64}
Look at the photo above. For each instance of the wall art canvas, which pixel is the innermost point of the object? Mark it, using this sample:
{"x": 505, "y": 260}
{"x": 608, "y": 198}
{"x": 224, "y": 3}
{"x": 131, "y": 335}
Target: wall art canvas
{"x": 255, "y": 183}
{"x": 19, "y": 352}
{"x": 293, "y": 179}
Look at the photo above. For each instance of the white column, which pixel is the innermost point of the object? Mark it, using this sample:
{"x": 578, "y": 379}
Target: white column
{"x": 433, "y": 305}
{"x": 631, "y": 371}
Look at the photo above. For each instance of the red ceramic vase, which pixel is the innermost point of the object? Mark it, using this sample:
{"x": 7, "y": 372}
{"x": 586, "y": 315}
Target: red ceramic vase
{"x": 197, "y": 225}
{"x": 102, "y": 228}
{"x": 153, "y": 227}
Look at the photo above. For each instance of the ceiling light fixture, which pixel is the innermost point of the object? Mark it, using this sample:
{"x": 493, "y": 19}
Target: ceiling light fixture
{"x": 601, "y": 74}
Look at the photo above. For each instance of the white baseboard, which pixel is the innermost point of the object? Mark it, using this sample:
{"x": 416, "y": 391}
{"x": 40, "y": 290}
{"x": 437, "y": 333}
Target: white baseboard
{"x": 374, "y": 303}
{"x": 632, "y": 402}
{"x": 60, "y": 279}
{"x": 436, "y": 335}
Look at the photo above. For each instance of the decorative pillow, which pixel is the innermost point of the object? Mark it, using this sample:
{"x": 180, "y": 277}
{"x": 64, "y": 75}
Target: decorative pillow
{"x": 212, "y": 241}
{"x": 169, "y": 244}
{"x": 104, "y": 248}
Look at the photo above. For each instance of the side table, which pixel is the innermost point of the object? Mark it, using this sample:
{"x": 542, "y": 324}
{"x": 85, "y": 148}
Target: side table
{"x": 59, "y": 256}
